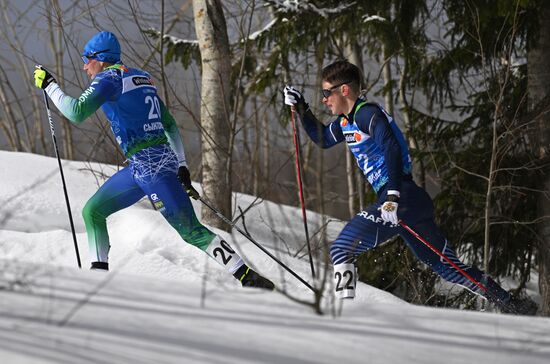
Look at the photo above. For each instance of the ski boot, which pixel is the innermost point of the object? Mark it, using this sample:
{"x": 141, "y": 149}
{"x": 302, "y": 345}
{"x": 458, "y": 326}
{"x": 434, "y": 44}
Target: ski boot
{"x": 519, "y": 306}
{"x": 99, "y": 266}
{"x": 507, "y": 302}
{"x": 249, "y": 278}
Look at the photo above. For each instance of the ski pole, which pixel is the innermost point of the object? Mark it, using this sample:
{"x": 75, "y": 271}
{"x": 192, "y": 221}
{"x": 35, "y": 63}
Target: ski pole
{"x": 62, "y": 178}
{"x": 300, "y": 187}
{"x": 227, "y": 221}
{"x": 460, "y": 270}
{"x": 436, "y": 251}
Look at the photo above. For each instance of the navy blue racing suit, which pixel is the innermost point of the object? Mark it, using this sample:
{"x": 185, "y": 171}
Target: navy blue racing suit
{"x": 382, "y": 154}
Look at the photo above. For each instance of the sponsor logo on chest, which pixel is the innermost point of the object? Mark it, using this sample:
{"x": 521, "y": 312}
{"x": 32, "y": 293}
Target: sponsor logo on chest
{"x": 134, "y": 82}
{"x": 355, "y": 137}
{"x": 140, "y": 81}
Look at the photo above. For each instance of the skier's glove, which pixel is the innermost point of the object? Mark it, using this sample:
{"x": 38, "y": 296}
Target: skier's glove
{"x": 42, "y": 78}
{"x": 389, "y": 210}
{"x": 185, "y": 179}
{"x": 294, "y": 98}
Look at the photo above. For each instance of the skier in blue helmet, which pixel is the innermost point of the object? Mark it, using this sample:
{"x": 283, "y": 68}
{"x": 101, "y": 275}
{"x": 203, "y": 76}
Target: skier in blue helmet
{"x": 149, "y": 138}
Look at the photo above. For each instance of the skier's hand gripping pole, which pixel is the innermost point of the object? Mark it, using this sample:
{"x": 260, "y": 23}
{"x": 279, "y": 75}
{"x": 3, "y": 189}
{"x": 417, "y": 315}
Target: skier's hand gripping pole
{"x": 185, "y": 179}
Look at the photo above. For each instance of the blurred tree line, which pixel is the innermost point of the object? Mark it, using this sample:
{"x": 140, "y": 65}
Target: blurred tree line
{"x": 467, "y": 81}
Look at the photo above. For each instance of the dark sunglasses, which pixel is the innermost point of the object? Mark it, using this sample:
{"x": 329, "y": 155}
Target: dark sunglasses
{"x": 87, "y": 57}
{"x": 327, "y": 92}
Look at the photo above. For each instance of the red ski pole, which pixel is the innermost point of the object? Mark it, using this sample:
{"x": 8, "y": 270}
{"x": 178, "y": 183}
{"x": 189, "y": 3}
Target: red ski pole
{"x": 299, "y": 180}
{"x": 460, "y": 270}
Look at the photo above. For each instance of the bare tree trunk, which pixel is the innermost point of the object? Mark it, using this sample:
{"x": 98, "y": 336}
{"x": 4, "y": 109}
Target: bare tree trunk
{"x": 239, "y": 95}
{"x": 493, "y": 163}
{"x": 19, "y": 115}
{"x": 319, "y": 178}
{"x": 488, "y": 200}
{"x": 9, "y": 124}
{"x": 388, "y": 94}
{"x": 349, "y": 52}
{"x": 13, "y": 40}
{"x": 419, "y": 172}
{"x": 161, "y": 54}
{"x": 257, "y": 175}
{"x": 354, "y": 56}
{"x": 539, "y": 89}
{"x": 266, "y": 153}
{"x": 34, "y": 133}
{"x": 215, "y": 91}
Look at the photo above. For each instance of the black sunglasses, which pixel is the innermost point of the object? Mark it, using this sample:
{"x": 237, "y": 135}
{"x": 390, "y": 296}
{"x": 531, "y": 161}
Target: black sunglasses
{"x": 327, "y": 92}
{"x": 87, "y": 57}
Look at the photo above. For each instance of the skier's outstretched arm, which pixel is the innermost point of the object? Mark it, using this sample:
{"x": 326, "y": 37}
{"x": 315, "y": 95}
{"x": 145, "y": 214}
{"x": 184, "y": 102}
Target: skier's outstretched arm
{"x": 74, "y": 109}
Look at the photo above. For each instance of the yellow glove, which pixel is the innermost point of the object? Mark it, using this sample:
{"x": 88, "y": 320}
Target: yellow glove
{"x": 42, "y": 78}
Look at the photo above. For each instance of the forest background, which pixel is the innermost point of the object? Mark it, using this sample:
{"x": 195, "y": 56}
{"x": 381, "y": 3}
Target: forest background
{"x": 467, "y": 81}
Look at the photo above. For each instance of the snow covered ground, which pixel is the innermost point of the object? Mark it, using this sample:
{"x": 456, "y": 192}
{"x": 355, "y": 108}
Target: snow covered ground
{"x": 164, "y": 302}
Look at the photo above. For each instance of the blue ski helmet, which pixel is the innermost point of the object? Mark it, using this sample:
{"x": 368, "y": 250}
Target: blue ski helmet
{"x": 104, "y": 47}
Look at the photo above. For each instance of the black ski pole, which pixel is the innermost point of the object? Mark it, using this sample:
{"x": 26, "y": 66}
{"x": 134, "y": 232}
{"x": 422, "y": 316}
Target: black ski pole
{"x": 227, "y": 221}
{"x": 62, "y": 178}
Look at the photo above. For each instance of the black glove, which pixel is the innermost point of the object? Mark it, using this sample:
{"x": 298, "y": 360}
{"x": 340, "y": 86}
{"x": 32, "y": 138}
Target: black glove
{"x": 185, "y": 179}
{"x": 42, "y": 78}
